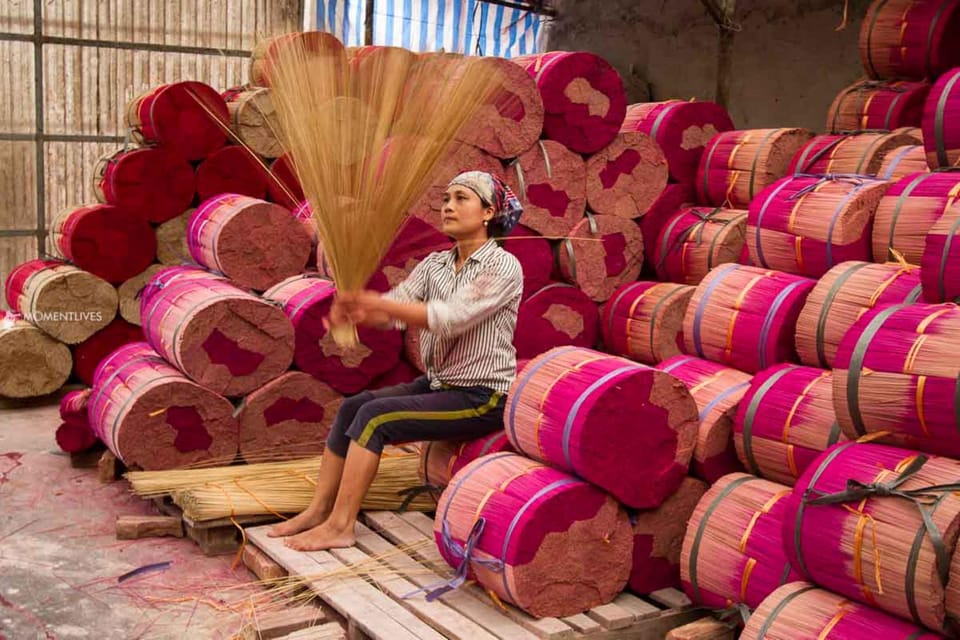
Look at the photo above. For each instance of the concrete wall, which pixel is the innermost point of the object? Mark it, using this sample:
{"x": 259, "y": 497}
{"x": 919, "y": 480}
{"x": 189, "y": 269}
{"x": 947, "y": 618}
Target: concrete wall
{"x": 788, "y": 62}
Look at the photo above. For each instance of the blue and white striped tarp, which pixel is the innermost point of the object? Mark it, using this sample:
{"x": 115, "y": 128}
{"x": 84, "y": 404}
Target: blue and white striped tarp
{"x": 461, "y": 26}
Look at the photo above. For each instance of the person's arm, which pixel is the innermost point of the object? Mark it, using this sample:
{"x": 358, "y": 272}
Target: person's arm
{"x": 396, "y": 309}
{"x": 493, "y": 287}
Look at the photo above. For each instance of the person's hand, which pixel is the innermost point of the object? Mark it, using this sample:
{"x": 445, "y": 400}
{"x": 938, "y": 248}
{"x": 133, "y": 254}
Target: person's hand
{"x": 339, "y": 311}
{"x": 359, "y": 307}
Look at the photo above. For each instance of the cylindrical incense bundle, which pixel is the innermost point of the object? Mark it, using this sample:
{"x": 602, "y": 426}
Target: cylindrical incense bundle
{"x": 658, "y": 539}
{"x": 239, "y": 237}
{"x": 745, "y": 317}
{"x": 228, "y": 340}
{"x": 784, "y": 421}
{"x": 74, "y": 433}
{"x": 67, "y": 303}
{"x": 856, "y": 525}
{"x": 172, "y": 248}
{"x": 583, "y": 98}
{"x": 189, "y": 119}
{"x": 844, "y": 294}
{"x": 511, "y": 120}
{"x": 551, "y": 182}
{"x": 627, "y": 176}
{"x": 231, "y": 169}
{"x": 304, "y": 214}
{"x": 801, "y": 611}
{"x": 674, "y": 198}
{"x": 105, "y": 240}
{"x": 696, "y": 240}
{"x": 682, "y": 129}
{"x": 535, "y": 256}
{"x": 910, "y": 38}
{"x": 904, "y": 161}
{"x": 288, "y": 417}
{"x": 283, "y": 185}
{"x": 908, "y": 211}
{"x": 893, "y": 374}
{"x": 32, "y": 364}
{"x": 643, "y": 321}
{"x": 254, "y": 120}
{"x": 531, "y": 516}
{"x": 460, "y": 158}
{"x": 267, "y": 53}
{"x": 601, "y": 253}
{"x": 440, "y": 460}
{"x": 402, "y": 373}
{"x": 554, "y": 316}
{"x": 306, "y": 301}
{"x": 717, "y": 390}
{"x": 152, "y": 417}
{"x": 806, "y": 225}
{"x": 130, "y": 291}
{"x": 738, "y": 165}
{"x": 153, "y": 183}
{"x": 733, "y": 553}
{"x": 940, "y": 272}
{"x": 861, "y": 154}
{"x": 88, "y": 355}
{"x": 568, "y": 408}
{"x": 167, "y": 276}
{"x": 872, "y": 105}
{"x": 415, "y": 240}
{"x": 941, "y": 135}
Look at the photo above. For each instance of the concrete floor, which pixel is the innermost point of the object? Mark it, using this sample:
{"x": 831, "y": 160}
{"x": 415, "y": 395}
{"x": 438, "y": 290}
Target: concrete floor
{"x": 60, "y": 559}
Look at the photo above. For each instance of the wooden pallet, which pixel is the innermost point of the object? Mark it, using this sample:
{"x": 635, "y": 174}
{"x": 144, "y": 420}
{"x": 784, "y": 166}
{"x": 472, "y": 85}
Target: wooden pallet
{"x": 214, "y": 537}
{"x": 375, "y": 605}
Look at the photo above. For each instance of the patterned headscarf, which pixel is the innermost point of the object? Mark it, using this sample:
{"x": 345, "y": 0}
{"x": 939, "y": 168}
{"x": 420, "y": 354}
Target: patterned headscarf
{"x": 495, "y": 192}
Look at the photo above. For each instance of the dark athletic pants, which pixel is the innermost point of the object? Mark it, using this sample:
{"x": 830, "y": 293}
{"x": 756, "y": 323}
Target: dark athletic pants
{"x": 413, "y": 412}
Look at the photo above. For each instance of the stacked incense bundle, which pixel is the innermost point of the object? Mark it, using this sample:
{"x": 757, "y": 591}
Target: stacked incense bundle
{"x": 152, "y": 183}
{"x": 284, "y": 186}
{"x": 189, "y": 119}
{"x": 172, "y": 248}
{"x": 568, "y": 408}
{"x": 601, "y": 253}
{"x": 738, "y": 165}
{"x": 415, "y": 240}
{"x": 232, "y": 169}
{"x": 745, "y": 317}
{"x": 861, "y": 154}
{"x": 440, "y": 460}
{"x": 402, "y": 373}
{"x": 784, "y": 421}
{"x": 31, "y": 362}
{"x": 941, "y": 135}
{"x": 872, "y": 105}
{"x": 940, "y": 263}
{"x": 673, "y": 198}
{"x": 806, "y": 225}
{"x": 717, "y": 390}
{"x": 682, "y": 129}
{"x": 844, "y": 294}
{"x": 88, "y": 355}
{"x": 626, "y": 177}
{"x": 891, "y": 376}
{"x": 509, "y": 519}
{"x": 732, "y": 552}
{"x": 902, "y": 162}
{"x": 643, "y": 321}
{"x": 74, "y": 433}
{"x": 696, "y": 240}
{"x": 555, "y": 316}
{"x": 844, "y": 529}
{"x": 908, "y": 210}
{"x": 551, "y": 182}
{"x": 909, "y": 38}
{"x": 267, "y": 52}
{"x": 253, "y": 119}
{"x": 129, "y": 292}
{"x": 535, "y": 255}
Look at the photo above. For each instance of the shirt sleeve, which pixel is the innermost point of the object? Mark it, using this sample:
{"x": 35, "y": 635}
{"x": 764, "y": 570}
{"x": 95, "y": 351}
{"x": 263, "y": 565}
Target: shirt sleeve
{"x": 494, "y": 286}
{"x": 412, "y": 289}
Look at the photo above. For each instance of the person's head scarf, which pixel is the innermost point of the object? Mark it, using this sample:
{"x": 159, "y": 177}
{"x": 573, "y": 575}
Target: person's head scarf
{"x": 493, "y": 192}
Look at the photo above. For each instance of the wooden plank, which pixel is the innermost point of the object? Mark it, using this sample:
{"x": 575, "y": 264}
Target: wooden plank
{"x": 276, "y": 624}
{"x": 672, "y": 598}
{"x": 583, "y": 623}
{"x": 329, "y": 631}
{"x": 641, "y": 610}
{"x": 108, "y": 467}
{"x": 655, "y": 628}
{"x": 260, "y": 564}
{"x": 611, "y": 616}
{"x": 705, "y": 629}
{"x": 136, "y": 527}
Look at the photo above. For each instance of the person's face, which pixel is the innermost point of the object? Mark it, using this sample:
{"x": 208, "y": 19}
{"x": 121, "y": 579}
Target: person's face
{"x": 463, "y": 213}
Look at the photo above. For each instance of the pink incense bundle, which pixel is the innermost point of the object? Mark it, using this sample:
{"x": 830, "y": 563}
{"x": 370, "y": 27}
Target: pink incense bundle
{"x": 460, "y": 158}
{"x": 733, "y": 553}
{"x": 595, "y": 415}
{"x": 658, "y": 539}
{"x": 88, "y": 355}
{"x": 440, "y": 460}
{"x": 535, "y": 255}
{"x": 283, "y": 185}
{"x": 505, "y": 520}
{"x": 904, "y": 161}
{"x": 674, "y": 198}
{"x": 910, "y": 38}
{"x": 738, "y": 165}
{"x": 745, "y": 317}
{"x": 232, "y": 169}
{"x": 627, "y": 176}
{"x": 415, "y": 240}
{"x": 872, "y": 105}
{"x": 239, "y": 236}
{"x": 784, "y": 421}
{"x": 172, "y": 246}
{"x": 288, "y": 417}
{"x": 643, "y": 321}
{"x": 306, "y": 300}
{"x": 551, "y": 182}
{"x": 152, "y": 417}
{"x": 878, "y": 525}
{"x": 511, "y": 120}
{"x": 267, "y": 52}
{"x": 801, "y": 611}
{"x": 940, "y": 272}
{"x": 107, "y": 241}
{"x": 600, "y": 254}
{"x": 860, "y": 154}
{"x": 75, "y": 433}
{"x": 254, "y": 120}
{"x": 806, "y": 224}
{"x": 844, "y": 294}
{"x": 583, "y": 98}
{"x": 941, "y": 135}
{"x": 682, "y": 129}
{"x": 32, "y": 364}
{"x": 169, "y": 275}
{"x": 153, "y": 184}
{"x": 228, "y": 340}
{"x": 403, "y": 373}
{"x": 696, "y": 240}
{"x": 189, "y": 119}
{"x": 717, "y": 390}
{"x": 891, "y": 375}
{"x": 908, "y": 211}
{"x": 556, "y": 315}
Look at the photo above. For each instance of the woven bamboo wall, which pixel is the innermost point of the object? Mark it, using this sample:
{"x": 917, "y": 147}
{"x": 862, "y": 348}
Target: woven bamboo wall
{"x": 85, "y": 86}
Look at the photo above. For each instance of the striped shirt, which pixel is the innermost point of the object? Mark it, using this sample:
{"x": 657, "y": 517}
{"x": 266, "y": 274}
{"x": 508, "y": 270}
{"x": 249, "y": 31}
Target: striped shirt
{"x": 471, "y": 315}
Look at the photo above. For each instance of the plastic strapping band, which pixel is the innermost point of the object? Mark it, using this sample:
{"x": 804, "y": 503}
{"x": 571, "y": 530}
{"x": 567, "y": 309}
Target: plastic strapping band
{"x": 756, "y": 160}
{"x": 679, "y": 363}
{"x": 941, "y": 275}
{"x": 751, "y": 416}
{"x": 759, "y": 223}
{"x": 763, "y": 341}
{"x": 720, "y": 273}
{"x": 855, "y": 369}
{"x": 938, "y": 136}
{"x": 616, "y": 302}
{"x": 897, "y": 159}
{"x": 575, "y": 410}
{"x": 833, "y": 219}
{"x": 655, "y": 129}
{"x": 525, "y": 376}
{"x": 825, "y": 309}
{"x": 723, "y": 395}
{"x": 933, "y": 28}
{"x": 877, "y": 10}
{"x": 777, "y": 610}
{"x": 546, "y": 161}
{"x": 899, "y": 206}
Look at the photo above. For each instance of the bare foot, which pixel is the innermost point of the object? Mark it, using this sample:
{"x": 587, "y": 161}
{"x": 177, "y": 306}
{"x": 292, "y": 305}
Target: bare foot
{"x": 325, "y": 536}
{"x": 307, "y": 519}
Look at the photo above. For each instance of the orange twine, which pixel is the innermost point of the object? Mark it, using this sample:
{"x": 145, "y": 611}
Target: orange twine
{"x": 633, "y": 308}
{"x": 728, "y": 350}
{"x": 838, "y": 616}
